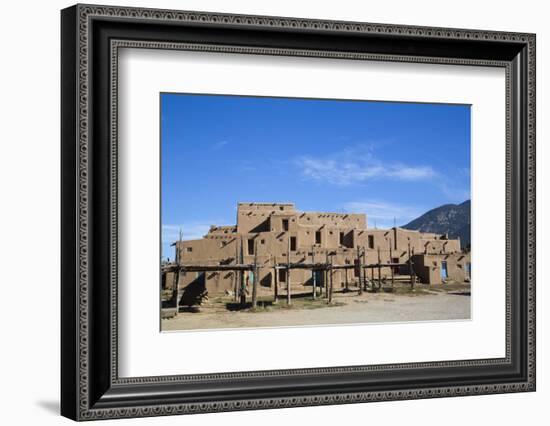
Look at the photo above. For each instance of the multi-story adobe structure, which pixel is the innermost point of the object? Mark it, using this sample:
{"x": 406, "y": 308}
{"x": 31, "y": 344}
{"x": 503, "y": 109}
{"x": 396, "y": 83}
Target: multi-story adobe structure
{"x": 276, "y": 233}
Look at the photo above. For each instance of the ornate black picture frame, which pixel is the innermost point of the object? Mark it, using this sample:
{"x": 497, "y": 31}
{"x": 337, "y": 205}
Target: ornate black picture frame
{"x": 91, "y": 36}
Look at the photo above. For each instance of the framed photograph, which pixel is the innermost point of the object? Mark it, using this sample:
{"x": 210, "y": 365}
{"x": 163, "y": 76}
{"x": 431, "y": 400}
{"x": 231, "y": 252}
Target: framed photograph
{"x": 263, "y": 212}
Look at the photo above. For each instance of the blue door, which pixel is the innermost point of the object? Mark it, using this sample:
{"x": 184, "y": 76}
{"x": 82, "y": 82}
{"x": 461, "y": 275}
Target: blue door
{"x": 443, "y": 269}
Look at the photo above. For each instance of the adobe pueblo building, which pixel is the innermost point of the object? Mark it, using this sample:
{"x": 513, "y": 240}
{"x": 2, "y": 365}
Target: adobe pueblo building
{"x": 273, "y": 247}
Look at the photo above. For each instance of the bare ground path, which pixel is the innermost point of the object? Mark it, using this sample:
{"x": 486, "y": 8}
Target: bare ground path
{"x": 368, "y": 308}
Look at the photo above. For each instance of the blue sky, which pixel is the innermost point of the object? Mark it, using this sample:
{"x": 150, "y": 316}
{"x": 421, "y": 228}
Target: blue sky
{"x": 389, "y": 160}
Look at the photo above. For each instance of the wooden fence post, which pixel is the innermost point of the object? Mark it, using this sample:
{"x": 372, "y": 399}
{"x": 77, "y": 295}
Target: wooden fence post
{"x": 326, "y": 274}
{"x": 331, "y": 271}
{"x": 410, "y": 267}
{"x": 276, "y": 283}
{"x": 176, "y": 284}
{"x": 363, "y": 272}
{"x": 391, "y": 261}
{"x": 288, "y": 295}
{"x": 242, "y": 279}
{"x": 359, "y": 271}
{"x": 413, "y": 272}
{"x": 255, "y": 278}
{"x": 347, "y": 280}
{"x": 236, "y": 283}
{"x": 313, "y": 272}
{"x": 379, "y": 270}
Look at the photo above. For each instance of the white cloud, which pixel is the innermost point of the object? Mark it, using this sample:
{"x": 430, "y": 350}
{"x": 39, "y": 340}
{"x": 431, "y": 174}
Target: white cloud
{"x": 384, "y": 213}
{"x": 358, "y": 165}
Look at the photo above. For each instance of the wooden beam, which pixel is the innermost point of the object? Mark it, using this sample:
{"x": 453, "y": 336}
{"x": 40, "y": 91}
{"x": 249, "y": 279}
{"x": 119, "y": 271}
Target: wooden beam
{"x": 251, "y": 267}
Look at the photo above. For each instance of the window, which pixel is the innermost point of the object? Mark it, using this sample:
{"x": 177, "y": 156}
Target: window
{"x": 189, "y": 249}
{"x": 318, "y": 237}
{"x": 371, "y": 241}
{"x": 282, "y": 275}
{"x": 285, "y": 224}
{"x": 251, "y": 246}
{"x": 292, "y": 243}
{"x": 341, "y": 238}
{"x": 262, "y": 241}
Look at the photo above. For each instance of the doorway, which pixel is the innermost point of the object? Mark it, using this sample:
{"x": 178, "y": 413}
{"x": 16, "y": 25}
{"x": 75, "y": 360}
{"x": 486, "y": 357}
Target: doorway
{"x": 444, "y": 274}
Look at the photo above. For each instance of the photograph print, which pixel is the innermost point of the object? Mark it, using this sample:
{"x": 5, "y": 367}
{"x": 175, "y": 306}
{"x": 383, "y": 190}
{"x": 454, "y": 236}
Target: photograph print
{"x": 279, "y": 212}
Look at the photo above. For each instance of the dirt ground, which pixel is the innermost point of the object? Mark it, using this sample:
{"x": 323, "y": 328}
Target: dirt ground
{"x": 347, "y": 308}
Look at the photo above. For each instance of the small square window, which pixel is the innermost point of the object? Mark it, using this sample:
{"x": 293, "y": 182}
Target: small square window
{"x": 189, "y": 249}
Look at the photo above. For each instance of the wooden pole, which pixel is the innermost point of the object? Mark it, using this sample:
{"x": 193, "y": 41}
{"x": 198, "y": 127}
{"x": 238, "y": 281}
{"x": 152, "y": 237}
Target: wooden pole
{"x": 242, "y": 283}
{"x": 255, "y": 278}
{"x": 410, "y": 267}
{"x": 379, "y": 270}
{"x": 359, "y": 268}
{"x": 331, "y": 282}
{"x": 327, "y": 278}
{"x": 347, "y": 282}
{"x": 276, "y": 284}
{"x": 236, "y": 273}
{"x": 288, "y": 295}
{"x": 314, "y": 273}
{"x": 175, "y": 289}
{"x": 175, "y": 285}
{"x": 364, "y": 273}
{"x": 391, "y": 261}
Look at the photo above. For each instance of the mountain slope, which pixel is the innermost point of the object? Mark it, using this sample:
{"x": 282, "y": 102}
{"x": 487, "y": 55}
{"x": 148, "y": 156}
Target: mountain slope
{"x": 452, "y": 219}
